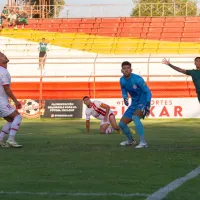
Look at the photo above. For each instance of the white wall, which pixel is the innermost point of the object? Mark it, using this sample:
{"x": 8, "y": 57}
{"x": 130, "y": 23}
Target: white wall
{"x": 23, "y": 57}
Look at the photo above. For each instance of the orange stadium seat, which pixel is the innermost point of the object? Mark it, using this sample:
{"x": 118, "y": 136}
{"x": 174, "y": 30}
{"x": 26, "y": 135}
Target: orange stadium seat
{"x": 146, "y": 24}
{"x": 172, "y": 24}
{"x": 155, "y": 36}
{"x": 173, "y": 30}
{"x": 170, "y": 39}
{"x": 107, "y": 30}
{"x": 154, "y": 30}
{"x": 90, "y": 20}
{"x": 112, "y": 20}
{"x": 131, "y": 30}
{"x": 135, "y": 19}
{"x": 191, "y": 35}
{"x": 68, "y": 30}
{"x": 175, "y": 19}
{"x": 71, "y": 21}
{"x": 109, "y": 25}
{"x": 192, "y": 19}
{"x": 133, "y": 24}
{"x": 85, "y": 30}
{"x": 157, "y": 19}
{"x": 55, "y": 25}
{"x": 173, "y": 35}
{"x": 32, "y": 26}
{"x": 131, "y": 35}
{"x": 187, "y": 39}
{"x": 156, "y": 24}
{"x": 56, "y": 21}
{"x": 88, "y": 25}
{"x": 32, "y": 21}
{"x": 191, "y": 29}
{"x": 192, "y": 24}
{"x": 46, "y": 26}
{"x": 69, "y": 25}
{"x": 47, "y": 21}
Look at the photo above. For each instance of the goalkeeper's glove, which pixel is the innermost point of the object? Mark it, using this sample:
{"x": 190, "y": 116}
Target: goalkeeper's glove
{"x": 147, "y": 109}
{"x": 126, "y": 101}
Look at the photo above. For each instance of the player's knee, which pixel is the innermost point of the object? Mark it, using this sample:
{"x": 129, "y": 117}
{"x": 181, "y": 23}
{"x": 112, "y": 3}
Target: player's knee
{"x": 18, "y": 119}
{"x": 122, "y": 125}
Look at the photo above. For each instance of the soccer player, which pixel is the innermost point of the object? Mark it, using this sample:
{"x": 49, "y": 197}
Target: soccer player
{"x": 135, "y": 86}
{"x": 195, "y": 73}
{"x": 43, "y": 53}
{"x": 102, "y": 112}
{"x": 10, "y": 114}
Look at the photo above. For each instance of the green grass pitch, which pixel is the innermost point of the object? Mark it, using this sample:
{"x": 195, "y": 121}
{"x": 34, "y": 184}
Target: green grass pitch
{"x": 60, "y": 157}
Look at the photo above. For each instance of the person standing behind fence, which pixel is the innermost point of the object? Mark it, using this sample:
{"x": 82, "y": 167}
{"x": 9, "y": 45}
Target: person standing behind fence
{"x": 43, "y": 53}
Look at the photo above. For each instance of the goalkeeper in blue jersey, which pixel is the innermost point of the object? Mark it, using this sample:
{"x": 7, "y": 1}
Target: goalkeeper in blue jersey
{"x": 135, "y": 86}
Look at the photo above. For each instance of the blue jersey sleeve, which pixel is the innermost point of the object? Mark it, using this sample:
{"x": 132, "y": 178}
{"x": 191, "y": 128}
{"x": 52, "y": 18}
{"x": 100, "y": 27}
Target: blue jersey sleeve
{"x": 141, "y": 83}
{"x": 124, "y": 92}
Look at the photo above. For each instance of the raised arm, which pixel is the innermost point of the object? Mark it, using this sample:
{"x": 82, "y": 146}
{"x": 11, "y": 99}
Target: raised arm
{"x": 167, "y": 62}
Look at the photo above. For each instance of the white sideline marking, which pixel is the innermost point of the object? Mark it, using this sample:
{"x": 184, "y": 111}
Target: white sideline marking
{"x": 73, "y": 194}
{"x": 162, "y": 192}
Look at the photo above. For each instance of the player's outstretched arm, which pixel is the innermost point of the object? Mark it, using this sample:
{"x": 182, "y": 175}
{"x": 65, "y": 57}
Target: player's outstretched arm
{"x": 167, "y": 62}
{"x": 88, "y": 126}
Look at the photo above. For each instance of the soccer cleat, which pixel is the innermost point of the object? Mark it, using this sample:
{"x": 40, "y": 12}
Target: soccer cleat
{"x": 141, "y": 145}
{"x": 13, "y": 144}
{"x": 3, "y": 144}
{"x": 127, "y": 143}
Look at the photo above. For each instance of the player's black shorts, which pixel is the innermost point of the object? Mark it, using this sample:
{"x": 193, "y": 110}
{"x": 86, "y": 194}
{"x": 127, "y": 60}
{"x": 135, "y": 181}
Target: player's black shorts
{"x": 198, "y": 96}
{"x": 42, "y": 54}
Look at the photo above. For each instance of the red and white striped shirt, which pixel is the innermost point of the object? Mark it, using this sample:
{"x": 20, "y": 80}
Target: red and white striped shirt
{"x": 96, "y": 111}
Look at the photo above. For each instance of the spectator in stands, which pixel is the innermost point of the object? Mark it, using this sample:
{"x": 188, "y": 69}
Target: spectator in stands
{"x": 22, "y": 19}
{"x": 4, "y": 16}
{"x": 43, "y": 53}
{"x": 12, "y": 17}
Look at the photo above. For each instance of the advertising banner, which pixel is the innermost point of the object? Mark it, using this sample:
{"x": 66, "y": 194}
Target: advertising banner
{"x": 160, "y": 107}
{"x": 62, "y": 109}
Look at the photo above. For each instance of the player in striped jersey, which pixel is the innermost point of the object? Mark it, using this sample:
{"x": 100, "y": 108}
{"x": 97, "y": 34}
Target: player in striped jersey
{"x": 102, "y": 112}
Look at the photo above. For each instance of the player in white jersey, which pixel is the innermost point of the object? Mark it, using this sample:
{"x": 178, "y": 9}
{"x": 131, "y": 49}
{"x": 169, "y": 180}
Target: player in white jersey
{"x": 9, "y": 113}
{"x": 102, "y": 112}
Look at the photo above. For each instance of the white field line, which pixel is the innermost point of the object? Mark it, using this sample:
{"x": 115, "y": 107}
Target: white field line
{"x": 73, "y": 194}
{"x": 163, "y": 192}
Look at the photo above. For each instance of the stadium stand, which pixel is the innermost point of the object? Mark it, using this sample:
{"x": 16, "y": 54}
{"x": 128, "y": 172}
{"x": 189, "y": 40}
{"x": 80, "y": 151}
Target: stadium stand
{"x": 110, "y": 36}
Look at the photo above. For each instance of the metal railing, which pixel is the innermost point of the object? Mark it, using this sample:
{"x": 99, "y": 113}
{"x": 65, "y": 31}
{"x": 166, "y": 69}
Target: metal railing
{"x": 191, "y": 8}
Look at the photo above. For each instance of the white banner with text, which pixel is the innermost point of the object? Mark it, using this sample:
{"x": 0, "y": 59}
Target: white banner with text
{"x": 160, "y": 107}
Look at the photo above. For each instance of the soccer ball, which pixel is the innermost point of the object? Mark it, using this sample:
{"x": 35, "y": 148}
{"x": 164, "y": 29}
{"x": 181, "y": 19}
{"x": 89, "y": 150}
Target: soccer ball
{"x": 31, "y": 107}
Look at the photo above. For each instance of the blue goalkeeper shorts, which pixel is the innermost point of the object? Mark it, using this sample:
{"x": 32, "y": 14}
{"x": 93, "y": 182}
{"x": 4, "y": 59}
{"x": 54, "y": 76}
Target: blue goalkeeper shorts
{"x": 132, "y": 108}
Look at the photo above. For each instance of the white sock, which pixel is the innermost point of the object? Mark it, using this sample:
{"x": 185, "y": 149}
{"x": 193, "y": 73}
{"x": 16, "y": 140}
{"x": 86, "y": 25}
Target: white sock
{"x": 109, "y": 130}
{"x": 5, "y": 130}
{"x": 14, "y": 127}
